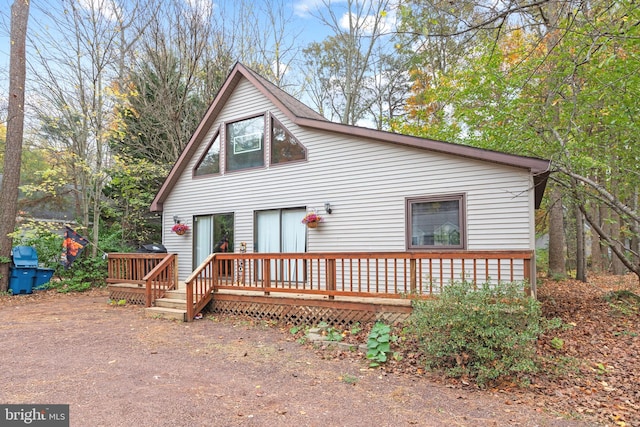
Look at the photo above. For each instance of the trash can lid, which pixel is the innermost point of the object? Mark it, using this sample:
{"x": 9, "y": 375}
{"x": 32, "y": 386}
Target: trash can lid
{"x": 24, "y": 256}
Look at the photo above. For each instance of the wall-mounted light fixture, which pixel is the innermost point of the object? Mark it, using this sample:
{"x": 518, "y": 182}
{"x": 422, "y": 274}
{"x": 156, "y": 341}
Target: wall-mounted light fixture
{"x": 327, "y": 208}
{"x": 176, "y": 220}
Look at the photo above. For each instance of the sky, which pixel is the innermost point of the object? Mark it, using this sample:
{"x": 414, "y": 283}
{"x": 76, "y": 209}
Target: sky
{"x": 303, "y": 23}
{"x": 302, "y": 16}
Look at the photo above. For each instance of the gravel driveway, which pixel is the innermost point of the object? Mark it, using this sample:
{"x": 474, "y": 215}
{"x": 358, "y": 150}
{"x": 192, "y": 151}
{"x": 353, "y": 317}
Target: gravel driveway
{"x": 115, "y": 367}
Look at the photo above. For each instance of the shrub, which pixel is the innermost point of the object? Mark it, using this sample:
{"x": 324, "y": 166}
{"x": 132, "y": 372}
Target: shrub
{"x": 485, "y": 333}
{"x": 85, "y": 272}
{"x": 542, "y": 259}
{"x": 111, "y": 239}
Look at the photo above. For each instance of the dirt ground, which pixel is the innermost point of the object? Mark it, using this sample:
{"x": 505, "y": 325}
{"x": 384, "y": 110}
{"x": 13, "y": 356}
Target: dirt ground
{"x": 116, "y": 367}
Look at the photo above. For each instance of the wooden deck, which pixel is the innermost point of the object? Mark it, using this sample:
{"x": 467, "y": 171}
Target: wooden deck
{"x": 298, "y": 309}
{"x": 308, "y": 288}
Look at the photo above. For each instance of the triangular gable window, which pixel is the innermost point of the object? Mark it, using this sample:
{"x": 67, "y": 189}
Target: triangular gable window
{"x": 284, "y": 146}
{"x": 209, "y": 163}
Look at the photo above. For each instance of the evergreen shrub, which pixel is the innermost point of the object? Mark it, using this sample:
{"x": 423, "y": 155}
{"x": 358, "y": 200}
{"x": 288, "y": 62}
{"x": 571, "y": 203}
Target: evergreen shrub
{"x": 487, "y": 333}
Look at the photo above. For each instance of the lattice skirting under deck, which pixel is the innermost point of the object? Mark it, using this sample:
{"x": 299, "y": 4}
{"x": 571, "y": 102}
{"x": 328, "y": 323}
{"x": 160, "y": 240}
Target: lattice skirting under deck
{"x": 303, "y": 314}
{"x": 132, "y": 297}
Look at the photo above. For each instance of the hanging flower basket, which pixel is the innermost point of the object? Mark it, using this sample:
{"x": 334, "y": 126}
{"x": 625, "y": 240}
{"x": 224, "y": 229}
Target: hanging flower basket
{"x": 180, "y": 228}
{"x": 311, "y": 219}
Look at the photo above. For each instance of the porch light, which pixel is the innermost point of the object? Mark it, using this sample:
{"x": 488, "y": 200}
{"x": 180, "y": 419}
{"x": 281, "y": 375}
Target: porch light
{"x": 176, "y": 220}
{"x": 327, "y": 207}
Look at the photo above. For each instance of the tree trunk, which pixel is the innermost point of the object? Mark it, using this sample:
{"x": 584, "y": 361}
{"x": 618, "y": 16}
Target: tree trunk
{"x": 607, "y": 254}
{"x": 597, "y": 262}
{"x": 635, "y": 230}
{"x": 556, "y": 234}
{"x": 581, "y": 264}
{"x": 617, "y": 266}
{"x": 15, "y": 132}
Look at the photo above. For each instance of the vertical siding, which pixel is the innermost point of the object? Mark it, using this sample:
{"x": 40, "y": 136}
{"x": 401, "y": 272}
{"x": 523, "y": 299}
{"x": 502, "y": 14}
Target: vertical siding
{"x": 366, "y": 182}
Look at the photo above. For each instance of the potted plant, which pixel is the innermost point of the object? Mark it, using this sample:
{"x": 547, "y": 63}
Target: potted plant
{"x": 180, "y": 228}
{"x": 311, "y": 219}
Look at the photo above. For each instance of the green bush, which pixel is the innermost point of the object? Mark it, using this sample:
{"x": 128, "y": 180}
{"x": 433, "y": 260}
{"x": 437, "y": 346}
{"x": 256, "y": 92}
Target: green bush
{"x": 111, "y": 240}
{"x": 486, "y": 333}
{"x": 542, "y": 259}
{"x": 85, "y": 272}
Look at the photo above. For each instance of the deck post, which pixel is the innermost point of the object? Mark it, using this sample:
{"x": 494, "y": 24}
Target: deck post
{"x": 214, "y": 272}
{"x": 176, "y": 277}
{"x": 190, "y": 309}
{"x": 412, "y": 275}
{"x": 147, "y": 293}
{"x": 266, "y": 275}
{"x": 529, "y": 276}
{"x": 331, "y": 276}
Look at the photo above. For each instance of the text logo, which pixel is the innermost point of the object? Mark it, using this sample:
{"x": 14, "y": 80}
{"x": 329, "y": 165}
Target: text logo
{"x": 34, "y": 415}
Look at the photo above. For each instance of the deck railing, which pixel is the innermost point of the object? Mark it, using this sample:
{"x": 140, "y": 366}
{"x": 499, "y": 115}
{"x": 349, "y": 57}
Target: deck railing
{"x": 387, "y": 275}
{"x": 200, "y": 286}
{"x": 157, "y": 272}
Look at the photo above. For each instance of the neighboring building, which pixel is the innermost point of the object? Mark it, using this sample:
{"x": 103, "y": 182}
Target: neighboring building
{"x": 260, "y": 160}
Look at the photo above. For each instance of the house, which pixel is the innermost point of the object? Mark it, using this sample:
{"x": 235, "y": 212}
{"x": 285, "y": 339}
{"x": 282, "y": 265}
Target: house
{"x": 260, "y": 160}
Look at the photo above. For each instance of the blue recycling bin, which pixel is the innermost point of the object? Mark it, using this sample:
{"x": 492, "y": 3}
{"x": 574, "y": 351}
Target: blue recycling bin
{"x": 23, "y": 269}
{"x": 41, "y": 278}
{"x": 24, "y": 256}
{"x": 21, "y": 280}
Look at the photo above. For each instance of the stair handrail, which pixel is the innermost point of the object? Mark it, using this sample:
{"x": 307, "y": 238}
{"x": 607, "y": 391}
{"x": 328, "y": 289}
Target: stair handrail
{"x": 168, "y": 269}
{"x": 200, "y": 289}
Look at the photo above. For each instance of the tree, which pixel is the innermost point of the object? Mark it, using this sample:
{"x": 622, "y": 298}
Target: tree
{"x": 15, "y": 132}
{"x": 73, "y": 73}
{"x": 563, "y": 94}
{"x": 341, "y": 70}
{"x": 263, "y": 36}
{"x": 433, "y": 33}
{"x": 390, "y": 89}
{"x": 130, "y": 191}
{"x": 3, "y": 141}
{"x": 557, "y": 263}
{"x": 181, "y": 62}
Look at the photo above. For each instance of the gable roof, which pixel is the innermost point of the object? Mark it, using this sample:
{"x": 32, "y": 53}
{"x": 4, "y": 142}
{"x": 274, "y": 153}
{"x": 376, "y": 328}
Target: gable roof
{"x": 303, "y": 116}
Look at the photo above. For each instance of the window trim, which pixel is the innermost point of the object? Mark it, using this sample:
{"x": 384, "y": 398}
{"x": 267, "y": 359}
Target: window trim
{"x": 216, "y": 134}
{"x": 461, "y": 198}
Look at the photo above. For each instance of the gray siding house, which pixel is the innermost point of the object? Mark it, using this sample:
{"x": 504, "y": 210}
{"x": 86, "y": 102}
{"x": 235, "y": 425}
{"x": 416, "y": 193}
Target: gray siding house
{"x": 260, "y": 160}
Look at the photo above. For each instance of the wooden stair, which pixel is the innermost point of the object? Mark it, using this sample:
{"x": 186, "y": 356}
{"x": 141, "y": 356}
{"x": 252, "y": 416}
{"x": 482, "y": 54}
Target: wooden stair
{"x": 172, "y": 306}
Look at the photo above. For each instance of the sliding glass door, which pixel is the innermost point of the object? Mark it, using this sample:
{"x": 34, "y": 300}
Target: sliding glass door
{"x": 281, "y": 230}
{"x": 212, "y": 233}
